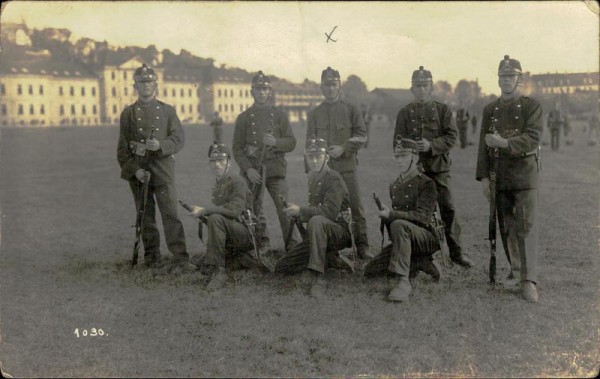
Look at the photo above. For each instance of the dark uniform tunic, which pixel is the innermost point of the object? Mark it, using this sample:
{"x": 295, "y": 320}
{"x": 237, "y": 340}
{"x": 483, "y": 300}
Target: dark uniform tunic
{"x": 217, "y": 125}
{"x": 520, "y": 122}
{"x": 434, "y": 122}
{"x": 341, "y": 123}
{"x": 137, "y": 122}
{"x": 230, "y": 196}
{"x": 555, "y": 122}
{"x": 326, "y": 229}
{"x": 250, "y": 128}
{"x": 462, "y": 122}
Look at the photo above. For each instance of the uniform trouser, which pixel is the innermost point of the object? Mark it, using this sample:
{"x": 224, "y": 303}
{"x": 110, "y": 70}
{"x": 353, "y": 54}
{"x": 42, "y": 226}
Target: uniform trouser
{"x": 517, "y": 216}
{"x": 225, "y": 234}
{"x": 409, "y": 241}
{"x": 325, "y": 236}
{"x": 218, "y": 134}
{"x": 462, "y": 134}
{"x": 554, "y": 138}
{"x": 358, "y": 213}
{"x": 166, "y": 198}
{"x": 276, "y": 187}
{"x": 448, "y": 212}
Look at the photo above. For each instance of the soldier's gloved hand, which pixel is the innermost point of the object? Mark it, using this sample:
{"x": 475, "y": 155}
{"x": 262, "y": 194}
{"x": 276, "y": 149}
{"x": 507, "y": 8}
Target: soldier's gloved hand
{"x": 292, "y": 210}
{"x": 197, "y": 211}
{"x": 153, "y": 144}
{"x": 485, "y": 184}
{"x": 141, "y": 175}
{"x": 269, "y": 140}
{"x": 335, "y": 151}
{"x": 423, "y": 145}
{"x": 495, "y": 140}
{"x": 385, "y": 212}
{"x": 253, "y": 175}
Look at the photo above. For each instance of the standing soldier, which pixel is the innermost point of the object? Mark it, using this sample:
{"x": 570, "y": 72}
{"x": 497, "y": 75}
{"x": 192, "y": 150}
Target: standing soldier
{"x": 217, "y": 126}
{"x": 555, "y": 121}
{"x": 431, "y": 125}
{"x": 342, "y": 126}
{"x": 366, "y": 115}
{"x": 150, "y": 133}
{"x": 474, "y": 124}
{"x": 462, "y": 121}
{"x": 261, "y": 138}
{"x": 228, "y": 234}
{"x": 513, "y": 125}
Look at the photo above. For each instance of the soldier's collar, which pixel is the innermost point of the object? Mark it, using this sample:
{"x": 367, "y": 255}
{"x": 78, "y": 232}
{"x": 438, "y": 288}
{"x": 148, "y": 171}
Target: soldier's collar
{"x": 145, "y": 104}
{"x": 318, "y": 175}
{"x": 403, "y": 178}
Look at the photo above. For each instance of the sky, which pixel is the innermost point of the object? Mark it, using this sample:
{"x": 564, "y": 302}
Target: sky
{"x": 381, "y": 42}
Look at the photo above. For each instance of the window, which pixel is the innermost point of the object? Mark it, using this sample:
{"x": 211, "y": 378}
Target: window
{"x": 41, "y": 89}
{"x": 112, "y": 75}
{"x": 62, "y": 110}
{"x": 114, "y": 109}
{"x": 164, "y": 92}
{"x": 241, "y": 93}
{"x": 125, "y": 91}
{"x": 231, "y": 92}
{"x": 60, "y": 91}
{"x": 30, "y": 89}
{"x": 190, "y": 108}
{"x": 94, "y": 110}
{"x": 182, "y": 109}
{"x": 226, "y": 108}
{"x": 190, "y": 92}
{"x": 225, "y": 93}
{"x": 232, "y": 108}
{"x": 241, "y": 107}
{"x": 247, "y": 93}
{"x": 124, "y": 74}
{"x": 220, "y": 108}
{"x": 19, "y": 89}
{"x": 72, "y": 91}
{"x": 31, "y": 111}
{"x": 82, "y": 91}
{"x": 93, "y": 91}
{"x": 3, "y": 109}
{"x": 181, "y": 93}
{"x": 173, "y": 92}
{"x": 83, "y": 110}
{"x": 42, "y": 109}
{"x": 114, "y": 91}
{"x": 2, "y": 89}
{"x": 72, "y": 109}
{"x": 218, "y": 93}
{"x": 20, "y": 109}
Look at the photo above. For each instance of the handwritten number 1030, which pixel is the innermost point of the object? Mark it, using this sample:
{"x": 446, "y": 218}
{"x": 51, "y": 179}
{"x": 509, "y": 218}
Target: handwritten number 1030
{"x": 93, "y": 332}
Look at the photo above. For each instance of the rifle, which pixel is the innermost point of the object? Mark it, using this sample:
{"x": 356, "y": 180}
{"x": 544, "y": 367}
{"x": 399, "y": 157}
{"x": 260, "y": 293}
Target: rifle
{"x": 201, "y": 219}
{"x": 258, "y": 189}
{"x": 347, "y": 216}
{"x": 139, "y": 150}
{"x": 382, "y": 223}
{"x": 439, "y": 230}
{"x": 293, "y": 221}
{"x": 493, "y": 156}
{"x": 246, "y": 219}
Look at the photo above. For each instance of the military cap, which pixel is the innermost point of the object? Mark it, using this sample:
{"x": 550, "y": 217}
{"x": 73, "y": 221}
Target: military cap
{"x": 402, "y": 145}
{"x": 330, "y": 75}
{"x": 261, "y": 80}
{"x": 421, "y": 76}
{"x": 144, "y": 74}
{"x": 315, "y": 146}
{"x": 218, "y": 151}
{"x": 509, "y": 66}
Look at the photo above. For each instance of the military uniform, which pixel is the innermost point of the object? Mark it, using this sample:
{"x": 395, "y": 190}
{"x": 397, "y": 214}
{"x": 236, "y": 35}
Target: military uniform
{"x": 555, "y": 122}
{"x": 250, "y": 128}
{"x": 341, "y": 123}
{"x": 519, "y": 121}
{"x": 217, "y": 126}
{"x": 137, "y": 123}
{"x": 462, "y": 121}
{"x": 433, "y": 121}
{"x": 226, "y": 231}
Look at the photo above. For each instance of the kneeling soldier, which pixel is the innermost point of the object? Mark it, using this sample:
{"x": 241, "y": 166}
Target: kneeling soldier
{"x": 414, "y": 240}
{"x": 226, "y": 230}
{"x": 327, "y": 230}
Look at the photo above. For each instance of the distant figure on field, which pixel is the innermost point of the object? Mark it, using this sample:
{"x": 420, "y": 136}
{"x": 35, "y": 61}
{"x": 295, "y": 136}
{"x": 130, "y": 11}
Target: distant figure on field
{"x": 217, "y": 126}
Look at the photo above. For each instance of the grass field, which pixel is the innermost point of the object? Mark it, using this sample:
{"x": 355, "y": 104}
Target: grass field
{"x": 67, "y": 238}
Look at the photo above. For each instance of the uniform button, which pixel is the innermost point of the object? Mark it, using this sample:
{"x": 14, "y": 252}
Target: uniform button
{"x": 139, "y": 119}
{"x": 157, "y": 129}
{"x": 518, "y": 106}
{"x": 253, "y": 132}
{"x": 516, "y": 117}
{"x": 406, "y": 196}
{"x": 157, "y": 117}
{"x": 410, "y": 185}
{"x": 251, "y": 114}
{"x": 496, "y": 108}
{"x": 138, "y": 109}
{"x": 141, "y": 129}
{"x": 393, "y": 197}
{"x": 253, "y": 124}
{"x": 157, "y": 107}
{"x": 142, "y": 140}
{"x": 394, "y": 187}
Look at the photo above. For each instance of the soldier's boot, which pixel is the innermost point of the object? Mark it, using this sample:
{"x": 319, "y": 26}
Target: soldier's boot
{"x": 337, "y": 260}
{"x": 402, "y": 290}
{"x": 183, "y": 267}
{"x": 510, "y": 281}
{"x": 429, "y": 266}
{"x": 364, "y": 252}
{"x": 317, "y": 289}
{"x": 415, "y": 267}
{"x": 463, "y": 261}
{"x": 218, "y": 280}
{"x": 530, "y": 292}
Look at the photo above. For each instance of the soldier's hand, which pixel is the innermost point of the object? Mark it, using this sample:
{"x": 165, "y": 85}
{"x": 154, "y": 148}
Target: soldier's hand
{"x": 197, "y": 211}
{"x": 292, "y": 210}
{"x": 335, "y": 151}
{"x": 141, "y": 175}
{"x": 495, "y": 140}
{"x": 423, "y": 145}
{"x": 269, "y": 140}
{"x": 384, "y": 212}
{"x": 153, "y": 144}
{"x": 485, "y": 184}
{"x": 253, "y": 175}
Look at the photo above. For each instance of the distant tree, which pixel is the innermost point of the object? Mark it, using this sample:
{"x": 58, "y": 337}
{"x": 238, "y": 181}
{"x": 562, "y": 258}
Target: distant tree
{"x": 442, "y": 90}
{"x": 355, "y": 90}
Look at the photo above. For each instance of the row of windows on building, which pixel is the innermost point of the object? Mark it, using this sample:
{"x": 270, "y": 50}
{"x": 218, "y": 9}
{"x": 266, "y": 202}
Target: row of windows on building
{"x": 226, "y": 107}
{"x": 165, "y": 92}
{"x": 30, "y": 90}
{"x": 42, "y": 110}
{"x": 561, "y": 82}
{"x": 64, "y": 121}
{"x": 223, "y": 93}
{"x": 182, "y": 108}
